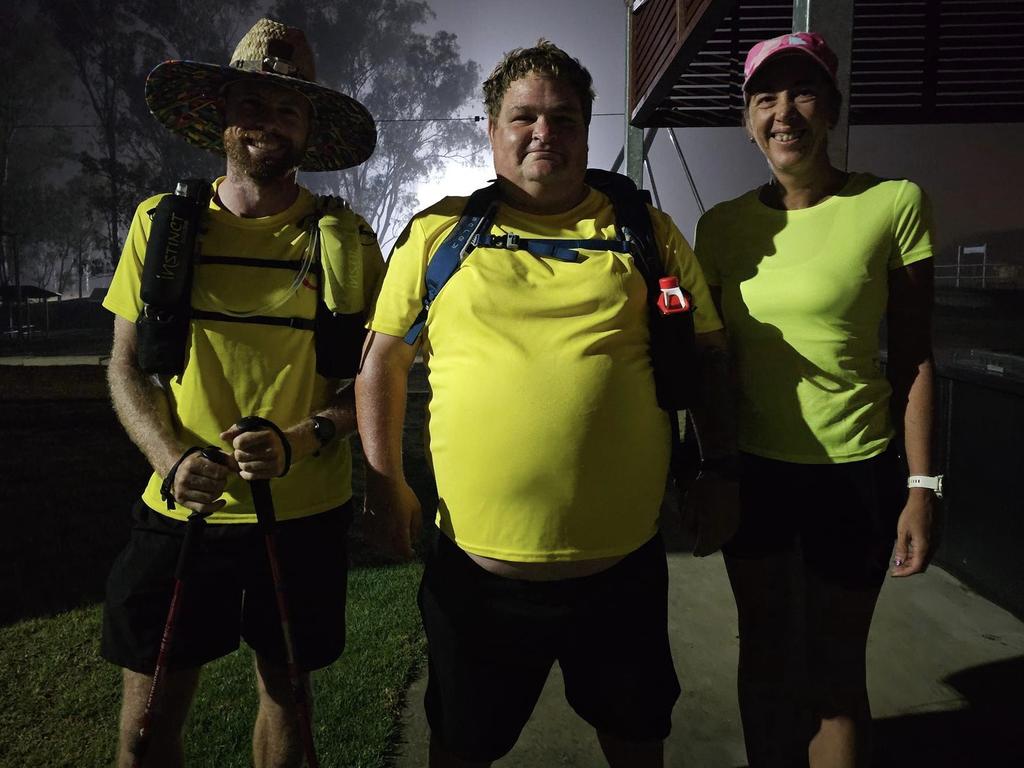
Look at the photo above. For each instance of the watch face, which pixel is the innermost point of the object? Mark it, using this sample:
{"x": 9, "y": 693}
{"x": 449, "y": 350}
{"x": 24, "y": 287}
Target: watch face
{"x": 323, "y": 428}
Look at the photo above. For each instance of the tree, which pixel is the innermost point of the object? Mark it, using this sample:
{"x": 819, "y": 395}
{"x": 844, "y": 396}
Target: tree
{"x": 33, "y": 76}
{"x": 113, "y": 44}
{"x": 412, "y": 83}
{"x": 105, "y": 42}
{"x": 371, "y": 51}
{"x": 61, "y": 235}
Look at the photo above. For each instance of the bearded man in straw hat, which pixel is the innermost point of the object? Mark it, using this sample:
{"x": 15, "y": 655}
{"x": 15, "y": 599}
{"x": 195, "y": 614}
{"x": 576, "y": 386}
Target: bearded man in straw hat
{"x": 278, "y": 290}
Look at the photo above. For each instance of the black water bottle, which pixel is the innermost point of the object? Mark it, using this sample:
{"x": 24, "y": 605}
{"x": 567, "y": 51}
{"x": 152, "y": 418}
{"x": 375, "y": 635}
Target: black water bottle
{"x": 166, "y": 289}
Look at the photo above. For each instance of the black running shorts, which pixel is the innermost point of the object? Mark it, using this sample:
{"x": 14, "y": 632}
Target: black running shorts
{"x": 229, "y": 593}
{"x": 492, "y": 642}
{"x": 842, "y": 516}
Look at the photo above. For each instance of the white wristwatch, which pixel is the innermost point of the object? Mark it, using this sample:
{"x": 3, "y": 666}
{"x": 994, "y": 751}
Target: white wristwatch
{"x": 924, "y": 481}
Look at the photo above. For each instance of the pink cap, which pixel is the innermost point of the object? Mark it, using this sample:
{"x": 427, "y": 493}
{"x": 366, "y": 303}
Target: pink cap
{"x": 809, "y": 43}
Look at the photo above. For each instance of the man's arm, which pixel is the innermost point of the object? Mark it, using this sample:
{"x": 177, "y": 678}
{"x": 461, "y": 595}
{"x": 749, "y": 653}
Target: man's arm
{"x": 144, "y": 412}
{"x": 714, "y": 414}
{"x": 393, "y": 513}
{"x": 910, "y": 372}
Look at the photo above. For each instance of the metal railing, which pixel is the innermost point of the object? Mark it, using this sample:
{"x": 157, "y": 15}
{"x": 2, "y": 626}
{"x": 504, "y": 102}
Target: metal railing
{"x": 985, "y": 274}
{"x": 973, "y": 269}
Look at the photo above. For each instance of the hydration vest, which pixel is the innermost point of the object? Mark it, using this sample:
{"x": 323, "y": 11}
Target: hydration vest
{"x": 173, "y": 253}
{"x": 673, "y": 352}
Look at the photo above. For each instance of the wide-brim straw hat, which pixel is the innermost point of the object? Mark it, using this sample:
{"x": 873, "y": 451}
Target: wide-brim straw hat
{"x": 183, "y": 95}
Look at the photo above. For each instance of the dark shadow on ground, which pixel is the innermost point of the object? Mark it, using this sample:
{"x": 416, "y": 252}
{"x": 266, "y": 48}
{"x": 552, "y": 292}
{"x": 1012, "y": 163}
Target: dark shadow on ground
{"x": 987, "y": 732}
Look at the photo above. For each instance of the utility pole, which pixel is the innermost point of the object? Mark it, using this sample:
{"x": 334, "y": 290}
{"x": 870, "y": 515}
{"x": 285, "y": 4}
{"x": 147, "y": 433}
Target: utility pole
{"x": 14, "y": 317}
{"x": 80, "y": 268}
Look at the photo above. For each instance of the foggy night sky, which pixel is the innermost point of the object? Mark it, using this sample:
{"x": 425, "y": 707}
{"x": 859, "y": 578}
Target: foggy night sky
{"x": 972, "y": 173}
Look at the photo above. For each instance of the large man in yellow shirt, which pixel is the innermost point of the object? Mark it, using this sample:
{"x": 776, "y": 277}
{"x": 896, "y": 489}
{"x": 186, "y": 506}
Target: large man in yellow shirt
{"x": 548, "y": 446}
{"x": 254, "y": 346}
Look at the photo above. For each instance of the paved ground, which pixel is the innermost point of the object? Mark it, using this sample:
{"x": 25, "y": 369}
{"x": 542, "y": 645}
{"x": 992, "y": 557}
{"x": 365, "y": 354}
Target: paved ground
{"x": 50, "y": 361}
{"x": 944, "y": 667}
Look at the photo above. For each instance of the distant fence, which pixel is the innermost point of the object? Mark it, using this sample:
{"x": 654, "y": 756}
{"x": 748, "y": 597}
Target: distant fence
{"x": 974, "y": 269}
{"x": 986, "y": 275}
{"x": 980, "y": 420}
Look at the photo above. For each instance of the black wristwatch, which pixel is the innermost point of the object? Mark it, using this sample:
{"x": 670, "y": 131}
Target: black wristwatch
{"x": 324, "y": 430}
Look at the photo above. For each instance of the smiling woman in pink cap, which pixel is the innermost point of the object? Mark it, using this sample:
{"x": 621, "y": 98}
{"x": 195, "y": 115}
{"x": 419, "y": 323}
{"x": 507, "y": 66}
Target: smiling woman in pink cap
{"x": 803, "y": 271}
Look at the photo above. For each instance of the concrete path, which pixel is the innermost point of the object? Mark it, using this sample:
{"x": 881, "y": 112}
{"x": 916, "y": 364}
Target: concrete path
{"x": 49, "y": 361}
{"x": 945, "y": 671}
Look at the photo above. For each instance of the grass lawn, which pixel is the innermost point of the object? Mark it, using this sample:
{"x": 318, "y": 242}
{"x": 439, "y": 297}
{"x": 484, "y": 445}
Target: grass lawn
{"x": 69, "y": 477}
{"x": 61, "y": 699}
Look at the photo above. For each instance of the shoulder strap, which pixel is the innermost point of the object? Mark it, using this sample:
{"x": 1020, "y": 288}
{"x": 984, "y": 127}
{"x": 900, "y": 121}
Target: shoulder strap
{"x": 632, "y": 221}
{"x": 672, "y": 338}
{"x": 325, "y": 204}
{"x": 172, "y": 247}
{"x": 322, "y": 205}
{"x": 562, "y": 249}
{"x": 476, "y": 219}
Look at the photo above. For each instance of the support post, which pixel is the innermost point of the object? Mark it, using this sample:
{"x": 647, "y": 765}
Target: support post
{"x": 833, "y": 19}
{"x": 686, "y": 170}
{"x": 634, "y": 138}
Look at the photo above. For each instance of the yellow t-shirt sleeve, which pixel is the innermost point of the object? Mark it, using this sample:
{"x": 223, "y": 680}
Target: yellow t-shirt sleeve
{"x": 404, "y": 285}
{"x": 679, "y": 260}
{"x": 912, "y": 226}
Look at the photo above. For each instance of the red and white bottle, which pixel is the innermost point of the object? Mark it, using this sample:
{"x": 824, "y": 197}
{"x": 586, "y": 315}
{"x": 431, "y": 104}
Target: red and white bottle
{"x": 672, "y": 299}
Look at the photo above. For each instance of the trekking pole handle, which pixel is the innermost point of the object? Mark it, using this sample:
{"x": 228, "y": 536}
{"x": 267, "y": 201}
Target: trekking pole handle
{"x": 262, "y": 499}
{"x": 196, "y": 522}
{"x": 259, "y": 424}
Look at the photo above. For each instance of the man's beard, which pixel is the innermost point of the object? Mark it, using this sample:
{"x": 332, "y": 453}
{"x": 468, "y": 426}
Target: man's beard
{"x": 265, "y": 168}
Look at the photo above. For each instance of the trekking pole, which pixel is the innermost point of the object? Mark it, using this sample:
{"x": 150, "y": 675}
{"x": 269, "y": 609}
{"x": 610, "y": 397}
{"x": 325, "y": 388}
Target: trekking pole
{"x": 196, "y": 524}
{"x": 263, "y": 501}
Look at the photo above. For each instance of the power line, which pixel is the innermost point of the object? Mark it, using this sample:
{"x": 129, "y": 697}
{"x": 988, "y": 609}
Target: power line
{"x": 57, "y": 125}
{"x": 474, "y": 118}
{"x": 470, "y": 118}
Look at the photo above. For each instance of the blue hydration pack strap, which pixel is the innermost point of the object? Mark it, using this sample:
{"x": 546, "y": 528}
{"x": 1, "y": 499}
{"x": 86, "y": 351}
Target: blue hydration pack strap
{"x": 635, "y": 236}
{"x": 563, "y": 250}
{"x": 476, "y": 218}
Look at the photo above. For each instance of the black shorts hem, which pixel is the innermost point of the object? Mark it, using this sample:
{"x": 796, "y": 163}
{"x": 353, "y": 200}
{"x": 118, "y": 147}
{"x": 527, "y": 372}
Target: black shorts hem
{"x": 229, "y": 594}
{"x": 840, "y": 518}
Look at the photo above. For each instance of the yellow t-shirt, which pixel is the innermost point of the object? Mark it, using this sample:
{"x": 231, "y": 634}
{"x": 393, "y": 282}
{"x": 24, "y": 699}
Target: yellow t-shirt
{"x": 544, "y": 433}
{"x": 238, "y": 369}
{"x": 803, "y": 294}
